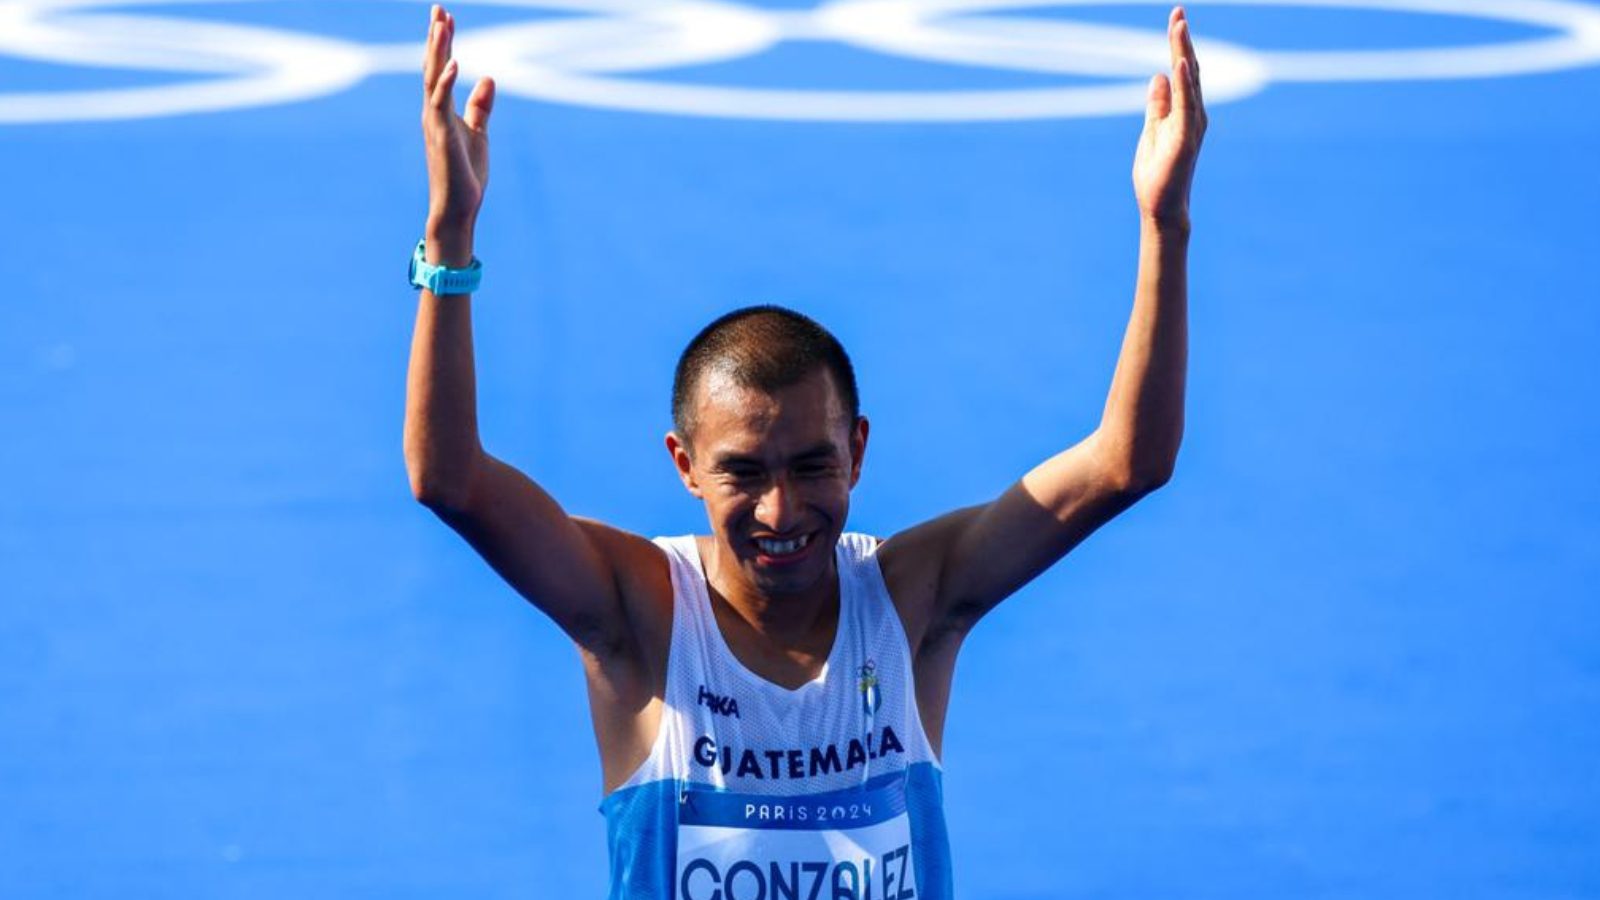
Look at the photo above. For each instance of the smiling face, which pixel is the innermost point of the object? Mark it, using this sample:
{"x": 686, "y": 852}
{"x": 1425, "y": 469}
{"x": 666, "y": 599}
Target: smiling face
{"x": 775, "y": 469}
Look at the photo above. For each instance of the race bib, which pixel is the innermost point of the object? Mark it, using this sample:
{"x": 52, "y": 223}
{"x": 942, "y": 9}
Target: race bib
{"x": 851, "y": 844}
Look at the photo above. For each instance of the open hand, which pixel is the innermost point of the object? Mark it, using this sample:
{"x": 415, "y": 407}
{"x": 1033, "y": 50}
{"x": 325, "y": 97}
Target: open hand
{"x": 1174, "y": 125}
{"x": 457, "y": 146}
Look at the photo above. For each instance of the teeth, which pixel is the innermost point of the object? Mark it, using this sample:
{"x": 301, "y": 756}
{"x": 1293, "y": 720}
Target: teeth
{"x": 782, "y": 548}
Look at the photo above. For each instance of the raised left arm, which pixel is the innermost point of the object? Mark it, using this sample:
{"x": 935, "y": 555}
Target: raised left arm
{"x": 946, "y": 573}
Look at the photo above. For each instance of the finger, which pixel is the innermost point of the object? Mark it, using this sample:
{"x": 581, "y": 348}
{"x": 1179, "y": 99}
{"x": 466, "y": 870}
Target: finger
{"x": 1194, "y": 64}
{"x": 440, "y": 99}
{"x": 449, "y": 35}
{"x": 1174, "y": 37}
{"x": 480, "y": 105}
{"x": 431, "y": 62}
{"x": 1186, "y": 33}
{"x": 1158, "y": 102}
{"x": 1183, "y": 89}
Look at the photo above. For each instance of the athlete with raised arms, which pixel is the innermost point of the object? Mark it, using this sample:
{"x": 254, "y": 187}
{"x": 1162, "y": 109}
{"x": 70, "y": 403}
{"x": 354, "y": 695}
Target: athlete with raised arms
{"x": 769, "y": 699}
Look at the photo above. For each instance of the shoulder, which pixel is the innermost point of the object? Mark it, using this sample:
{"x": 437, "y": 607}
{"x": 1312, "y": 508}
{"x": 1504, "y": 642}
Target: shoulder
{"x": 631, "y": 555}
{"x": 641, "y": 570}
{"x": 913, "y": 563}
{"x": 918, "y": 553}
{"x": 857, "y": 547}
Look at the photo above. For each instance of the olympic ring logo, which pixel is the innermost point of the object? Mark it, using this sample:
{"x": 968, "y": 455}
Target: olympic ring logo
{"x": 595, "y": 54}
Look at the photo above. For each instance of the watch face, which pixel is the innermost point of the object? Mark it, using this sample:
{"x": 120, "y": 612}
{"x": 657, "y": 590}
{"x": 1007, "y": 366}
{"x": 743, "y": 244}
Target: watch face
{"x": 411, "y": 271}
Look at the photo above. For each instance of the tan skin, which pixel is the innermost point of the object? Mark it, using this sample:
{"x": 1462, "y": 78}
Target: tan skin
{"x": 773, "y": 465}
{"x": 782, "y": 463}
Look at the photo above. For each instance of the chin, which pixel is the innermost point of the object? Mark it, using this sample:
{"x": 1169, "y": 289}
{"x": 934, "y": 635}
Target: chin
{"x": 795, "y": 582}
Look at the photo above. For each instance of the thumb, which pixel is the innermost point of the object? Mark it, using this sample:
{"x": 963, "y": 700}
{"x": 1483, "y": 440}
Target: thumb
{"x": 1158, "y": 103}
{"x": 480, "y": 105}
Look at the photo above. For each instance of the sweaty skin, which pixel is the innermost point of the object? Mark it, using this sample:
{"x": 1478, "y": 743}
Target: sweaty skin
{"x": 780, "y": 466}
{"x": 773, "y": 467}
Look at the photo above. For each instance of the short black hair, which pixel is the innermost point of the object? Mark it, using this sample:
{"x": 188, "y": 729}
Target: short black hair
{"x": 765, "y": 347}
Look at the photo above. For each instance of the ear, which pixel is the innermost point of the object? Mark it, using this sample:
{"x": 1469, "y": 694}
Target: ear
{"x": 679, "y": 449}
{"x": 858, "y": 448}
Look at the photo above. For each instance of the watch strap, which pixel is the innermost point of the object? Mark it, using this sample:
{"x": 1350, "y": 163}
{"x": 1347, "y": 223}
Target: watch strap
{"x": 442, "y": 280}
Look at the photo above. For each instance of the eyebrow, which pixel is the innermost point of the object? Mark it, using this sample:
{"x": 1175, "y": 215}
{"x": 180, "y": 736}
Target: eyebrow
{"x": 823, "y": 449}
{"x": 726, "y": 459}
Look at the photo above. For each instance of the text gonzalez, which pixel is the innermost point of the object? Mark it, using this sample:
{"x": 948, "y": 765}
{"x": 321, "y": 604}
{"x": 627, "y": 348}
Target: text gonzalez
{"x": 807, "y": 763}
{"x": 868, "y": 879}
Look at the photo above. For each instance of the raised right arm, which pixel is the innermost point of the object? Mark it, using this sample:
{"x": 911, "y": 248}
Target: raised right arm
{"x": 575, "y": 570}
{"x": 550, "y": 558}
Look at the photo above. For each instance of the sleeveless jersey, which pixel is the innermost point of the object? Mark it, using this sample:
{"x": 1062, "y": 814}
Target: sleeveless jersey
{"x": 753, "y": 791}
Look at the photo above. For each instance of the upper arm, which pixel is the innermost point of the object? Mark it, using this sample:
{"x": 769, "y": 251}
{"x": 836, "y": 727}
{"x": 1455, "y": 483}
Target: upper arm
{"x": 579, "y": 572}
{"x": 953, "y": 569}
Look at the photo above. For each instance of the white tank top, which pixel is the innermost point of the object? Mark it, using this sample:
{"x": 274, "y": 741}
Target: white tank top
{"x": 752, "y": 790}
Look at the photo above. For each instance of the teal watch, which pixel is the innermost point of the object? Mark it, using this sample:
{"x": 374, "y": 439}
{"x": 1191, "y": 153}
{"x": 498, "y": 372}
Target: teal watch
{"x": 443, "y": 280}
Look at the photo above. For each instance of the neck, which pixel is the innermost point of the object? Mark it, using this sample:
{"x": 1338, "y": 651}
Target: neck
{"x": 788, "y": 619}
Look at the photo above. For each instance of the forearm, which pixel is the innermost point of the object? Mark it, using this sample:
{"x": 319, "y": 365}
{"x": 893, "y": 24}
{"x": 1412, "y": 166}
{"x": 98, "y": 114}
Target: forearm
{"x": 441, "y": 426}
{"x": 1142, "y": 424}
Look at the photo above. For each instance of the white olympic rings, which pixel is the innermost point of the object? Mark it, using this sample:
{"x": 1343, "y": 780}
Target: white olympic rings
{"x": 592, "y": 58}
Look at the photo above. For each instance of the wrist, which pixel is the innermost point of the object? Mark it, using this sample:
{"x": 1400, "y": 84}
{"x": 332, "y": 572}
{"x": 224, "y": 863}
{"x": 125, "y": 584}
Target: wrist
{"x": 448, "y": 245}
{"x": 1167, "y": 225}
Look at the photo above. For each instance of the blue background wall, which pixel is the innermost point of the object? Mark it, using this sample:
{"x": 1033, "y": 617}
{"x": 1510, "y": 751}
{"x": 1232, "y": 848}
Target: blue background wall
{"x": 1352, "y": 650}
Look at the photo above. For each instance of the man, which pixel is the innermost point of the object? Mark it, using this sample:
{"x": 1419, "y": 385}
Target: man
{"x": 769, "y": 699}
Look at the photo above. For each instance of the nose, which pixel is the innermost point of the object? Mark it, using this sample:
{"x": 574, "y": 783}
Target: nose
{"x": 779, "y": 507}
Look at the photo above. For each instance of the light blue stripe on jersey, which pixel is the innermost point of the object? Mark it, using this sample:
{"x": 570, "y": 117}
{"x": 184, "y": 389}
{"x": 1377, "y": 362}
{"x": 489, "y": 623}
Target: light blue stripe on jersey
{"x": 642, "y": 824}
{"x": 642, "y": 837}
{"x": 930, "y": 839}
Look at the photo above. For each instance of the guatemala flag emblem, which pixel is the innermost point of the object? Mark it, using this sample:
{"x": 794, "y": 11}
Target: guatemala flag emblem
{"x": 871, "y": 697}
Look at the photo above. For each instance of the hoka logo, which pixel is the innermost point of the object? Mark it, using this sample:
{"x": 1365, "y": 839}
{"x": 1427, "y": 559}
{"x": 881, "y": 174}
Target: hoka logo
{"x": 722, "y": 706}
